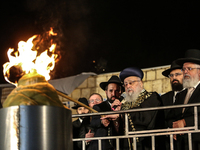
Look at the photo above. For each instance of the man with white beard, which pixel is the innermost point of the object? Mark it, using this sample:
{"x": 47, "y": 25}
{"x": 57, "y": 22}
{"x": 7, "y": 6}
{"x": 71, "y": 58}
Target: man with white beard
{"x": 184, "y": 117}
{"x": 137, "y": 97}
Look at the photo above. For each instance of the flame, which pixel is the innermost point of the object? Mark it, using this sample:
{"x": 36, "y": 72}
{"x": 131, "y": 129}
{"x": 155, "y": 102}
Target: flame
{"x": 28, "y": 60}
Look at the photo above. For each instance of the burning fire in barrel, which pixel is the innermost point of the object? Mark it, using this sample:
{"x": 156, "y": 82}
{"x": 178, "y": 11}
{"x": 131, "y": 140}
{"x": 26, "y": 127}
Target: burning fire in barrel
{"x": 29, "y": 71}
{"x": 39, "y": 127}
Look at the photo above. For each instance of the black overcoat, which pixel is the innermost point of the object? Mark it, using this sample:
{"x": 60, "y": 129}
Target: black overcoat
{"x": 101, "y": 130}
{"x": 188, "y": 115}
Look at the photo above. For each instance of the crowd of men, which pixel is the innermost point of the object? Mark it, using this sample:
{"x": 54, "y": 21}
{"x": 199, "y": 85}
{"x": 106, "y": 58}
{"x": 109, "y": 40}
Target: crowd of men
{"x": 184, "y": 75}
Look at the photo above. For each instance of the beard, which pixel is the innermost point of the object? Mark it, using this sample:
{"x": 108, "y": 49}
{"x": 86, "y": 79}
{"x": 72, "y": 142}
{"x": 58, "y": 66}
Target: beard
{"x": 82, "y": 117}
{"x": 131, "y": 95}
{"x": 190, "y": 82}
{"x": 176, "y": 86}
{"x": 111, "y": 100}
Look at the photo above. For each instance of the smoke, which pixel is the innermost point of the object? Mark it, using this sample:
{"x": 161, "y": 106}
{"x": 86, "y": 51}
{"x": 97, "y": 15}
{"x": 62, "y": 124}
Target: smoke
{"x": 69, "y": 20}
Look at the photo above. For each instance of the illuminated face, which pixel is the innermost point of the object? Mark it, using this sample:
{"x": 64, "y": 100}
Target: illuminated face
{"x": 113, "y": 91}
{"x": 82, "y": 110}
{"x": 191, "y": 73}
{"x": 94, "y": 100}
{"x": 176, "y": 76}
{"x": 133, "y": 85}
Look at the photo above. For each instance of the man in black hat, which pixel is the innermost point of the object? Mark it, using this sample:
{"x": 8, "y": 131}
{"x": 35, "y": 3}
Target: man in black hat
{"x": 184, "y": 117}
{"x": 113, "y": 89}
{"x": 81, "y": 126}
{"x": 175, "y": 74}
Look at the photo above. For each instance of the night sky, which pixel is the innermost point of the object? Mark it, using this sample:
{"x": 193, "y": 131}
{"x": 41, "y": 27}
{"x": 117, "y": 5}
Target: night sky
{"x": 114, "y": 34}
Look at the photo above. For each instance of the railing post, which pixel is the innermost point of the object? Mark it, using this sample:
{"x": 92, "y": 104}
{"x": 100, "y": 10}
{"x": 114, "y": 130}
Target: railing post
{"x": 195, "y": 118}
{"x": 190, "y": 141}
{"x": 83, "y": 145}
{"x": 171, "y": 142}
{"x": 117, "y": 143}
{"x": 153, "y": 142}
{"x": 126, "y": 124}
{"x": 99, "y": 144}
{"x": 134, "y": 144}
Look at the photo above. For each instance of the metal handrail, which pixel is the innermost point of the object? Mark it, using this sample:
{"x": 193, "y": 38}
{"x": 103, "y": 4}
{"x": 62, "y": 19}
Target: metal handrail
{"x": 138, "y": 109}
{"x": 147, "y": 133}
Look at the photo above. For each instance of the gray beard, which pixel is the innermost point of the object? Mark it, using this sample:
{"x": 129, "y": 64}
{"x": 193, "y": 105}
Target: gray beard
{"x": 191, "y": 82}
{"x": 132, "y": 97}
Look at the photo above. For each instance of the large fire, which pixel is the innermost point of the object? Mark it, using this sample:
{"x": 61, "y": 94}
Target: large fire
{"x": 29, "y": 69}
{"x": 27, "y": 60}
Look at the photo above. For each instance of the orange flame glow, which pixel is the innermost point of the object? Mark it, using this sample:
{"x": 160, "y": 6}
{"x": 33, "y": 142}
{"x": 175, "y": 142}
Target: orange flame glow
{"x": 26, "y": 58}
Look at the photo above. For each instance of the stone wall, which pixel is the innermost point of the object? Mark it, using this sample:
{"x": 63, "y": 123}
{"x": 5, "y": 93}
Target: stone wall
{"x": 153, "y": 81}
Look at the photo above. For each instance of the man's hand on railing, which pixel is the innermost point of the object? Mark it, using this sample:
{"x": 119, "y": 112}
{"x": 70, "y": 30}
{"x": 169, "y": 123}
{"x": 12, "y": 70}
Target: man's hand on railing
{"x": 111, "y": 117}
{"x": 178, "y": 124}
{"x": 89, "y": 135}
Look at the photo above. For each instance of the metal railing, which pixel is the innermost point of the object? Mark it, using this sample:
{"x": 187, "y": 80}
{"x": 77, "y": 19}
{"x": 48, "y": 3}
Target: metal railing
{"x": 146, "y": 133}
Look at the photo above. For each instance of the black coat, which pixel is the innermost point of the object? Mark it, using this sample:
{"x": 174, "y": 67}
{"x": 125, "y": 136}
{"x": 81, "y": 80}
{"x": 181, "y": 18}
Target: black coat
{"x": 145, "y": 120}
{"x": 167, "y": 100}
{"x": 188, "y": 115}
{"x": 101, "y": 130}
{"x": 79, "y": 131}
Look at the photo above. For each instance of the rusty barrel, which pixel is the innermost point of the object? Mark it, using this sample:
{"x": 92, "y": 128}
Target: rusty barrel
{"x": 35, "y": 128}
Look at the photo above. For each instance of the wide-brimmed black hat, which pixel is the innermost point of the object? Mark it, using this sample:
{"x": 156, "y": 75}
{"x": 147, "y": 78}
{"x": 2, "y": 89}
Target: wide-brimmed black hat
{"x": 82, "y": 100}
{"x": 131, "y": 71}
{"x": 191, "y": 55}
{"x": 174, "y": 66}
{"x": 113, "y": 79}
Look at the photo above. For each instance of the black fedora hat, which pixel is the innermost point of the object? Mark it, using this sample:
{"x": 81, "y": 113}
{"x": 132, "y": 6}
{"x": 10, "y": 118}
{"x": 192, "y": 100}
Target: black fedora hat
{"x": 173, "y": 66}
{"x": 131, "y": 71}
{"x": 82, "y": 100}
{"x": 113, "y": 79}
{"x": 191, "y": 55}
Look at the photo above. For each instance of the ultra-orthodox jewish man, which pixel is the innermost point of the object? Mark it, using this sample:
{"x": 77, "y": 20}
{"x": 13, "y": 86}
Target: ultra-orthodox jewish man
{"x": 138, "y": 97}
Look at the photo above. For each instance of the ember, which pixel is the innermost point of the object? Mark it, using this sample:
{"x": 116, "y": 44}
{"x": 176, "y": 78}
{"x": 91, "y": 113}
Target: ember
{"x": 29, "y": 71}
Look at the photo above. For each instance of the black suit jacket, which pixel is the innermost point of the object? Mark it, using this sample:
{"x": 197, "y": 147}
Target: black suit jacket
{"x": 167, "y": 100}
{"x": 146, "y": 120}
{"x": 188, "y": 115}
{"x": 101, "y": 130}
{"x": 79, "y": 131}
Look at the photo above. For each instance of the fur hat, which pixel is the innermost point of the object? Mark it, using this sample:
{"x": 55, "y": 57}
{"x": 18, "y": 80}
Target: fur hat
{"x": 131, "y": 71}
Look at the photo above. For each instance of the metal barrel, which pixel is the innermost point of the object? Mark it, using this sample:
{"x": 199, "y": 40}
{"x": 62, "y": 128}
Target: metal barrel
{"x": 35, "y": 128}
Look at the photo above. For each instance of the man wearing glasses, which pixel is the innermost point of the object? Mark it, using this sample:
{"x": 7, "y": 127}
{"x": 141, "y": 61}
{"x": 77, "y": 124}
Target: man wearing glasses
{"x": 184, "y": 117}
{"x": 94, "y": 99}
{"x": 175, "y": 75}
{"x": 137, "y": 97}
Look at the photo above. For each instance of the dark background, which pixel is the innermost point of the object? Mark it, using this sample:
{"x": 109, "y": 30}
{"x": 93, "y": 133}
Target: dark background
{"x": 103, "y": 36}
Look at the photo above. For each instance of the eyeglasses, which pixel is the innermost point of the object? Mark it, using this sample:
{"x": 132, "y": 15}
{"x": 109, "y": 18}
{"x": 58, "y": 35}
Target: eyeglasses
{"x": 174, "y": 75}
{"x": 93, "y": 100}
{"x": 188, "y": 69}
{"x": 130, "y": 83}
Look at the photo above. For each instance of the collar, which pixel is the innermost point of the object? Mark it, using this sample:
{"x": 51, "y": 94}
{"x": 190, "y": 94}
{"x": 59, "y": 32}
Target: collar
{"x": 81, "y": 120}
{"x": 176, "y": 92}
{"x": 196, "y": 85}
{"x": 109, "y": 103}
